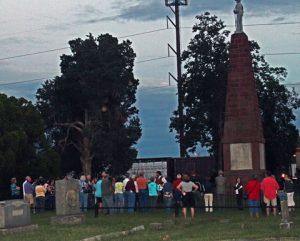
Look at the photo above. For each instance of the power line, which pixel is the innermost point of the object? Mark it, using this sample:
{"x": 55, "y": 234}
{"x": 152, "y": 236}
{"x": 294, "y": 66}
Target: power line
{"x": 23, "y": 81}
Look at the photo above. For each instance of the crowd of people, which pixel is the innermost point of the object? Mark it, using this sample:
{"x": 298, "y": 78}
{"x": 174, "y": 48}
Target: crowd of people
{"x": 131, "y": 193}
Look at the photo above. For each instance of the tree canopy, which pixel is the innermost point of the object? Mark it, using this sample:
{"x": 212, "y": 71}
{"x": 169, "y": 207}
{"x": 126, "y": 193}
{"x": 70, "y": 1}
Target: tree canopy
{"x": 91, "y": 105}
{"x": 24, "y": 149}
{"x": 204, "y": 85}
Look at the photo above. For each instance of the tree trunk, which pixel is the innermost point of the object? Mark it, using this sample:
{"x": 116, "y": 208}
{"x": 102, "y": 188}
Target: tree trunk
{"x": 86, "y": 157}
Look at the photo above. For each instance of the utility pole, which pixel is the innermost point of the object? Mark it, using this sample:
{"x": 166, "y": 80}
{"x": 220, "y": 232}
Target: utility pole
{"x": 176, "y": 4}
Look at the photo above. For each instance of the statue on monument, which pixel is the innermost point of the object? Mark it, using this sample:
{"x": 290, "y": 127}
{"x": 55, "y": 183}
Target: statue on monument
{"x": 238, "y": 11}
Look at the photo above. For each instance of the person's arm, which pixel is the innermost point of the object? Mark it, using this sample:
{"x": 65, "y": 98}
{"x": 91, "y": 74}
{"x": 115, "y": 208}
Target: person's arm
{"x": 195, "y": 187}
{"x": 136, "y": 187}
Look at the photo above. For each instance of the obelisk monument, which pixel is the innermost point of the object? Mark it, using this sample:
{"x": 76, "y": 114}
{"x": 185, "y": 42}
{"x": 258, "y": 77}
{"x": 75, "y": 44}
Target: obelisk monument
{"x": 243, "y": 140}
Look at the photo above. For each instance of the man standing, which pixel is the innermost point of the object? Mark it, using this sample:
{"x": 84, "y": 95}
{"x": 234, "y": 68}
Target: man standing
{"x": 220, "y": 188}
{"x": 28, "y": 191}
{"x": 269, "y": 187}
{"x": 107, "y": 194}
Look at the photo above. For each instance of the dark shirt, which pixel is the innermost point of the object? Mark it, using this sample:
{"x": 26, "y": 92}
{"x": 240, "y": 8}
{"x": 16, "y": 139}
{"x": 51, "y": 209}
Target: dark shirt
{"x": 289, "y": 186}
{"x": 106, "y": 188}
{"x": 130, "y": 187}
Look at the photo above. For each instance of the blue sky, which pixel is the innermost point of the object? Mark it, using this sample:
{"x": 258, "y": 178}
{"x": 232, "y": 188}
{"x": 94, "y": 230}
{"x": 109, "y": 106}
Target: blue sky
{"x": 30, "y": 26}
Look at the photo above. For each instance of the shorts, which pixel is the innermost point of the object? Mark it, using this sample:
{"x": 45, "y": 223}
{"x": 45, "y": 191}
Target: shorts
{"x": 29, "y": 198}
{"x": 188, "y": 200}
{"x": 273, "y": 202}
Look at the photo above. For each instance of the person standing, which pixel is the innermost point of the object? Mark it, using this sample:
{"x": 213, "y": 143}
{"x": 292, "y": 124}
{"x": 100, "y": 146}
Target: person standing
{"x": 142, "y": 184}
{"x": 14, "y": 189}
{"x": 220, "y": 181}
{"x": 269, "y": 187}
{"x": 98, "y": 195}
{"x": 40, "y": 192}
{"x": 168, "y": 195}
{"x": 208, "y": 194}
{"x": 83, "y": 193}
{"x": 160, "y": 180}
{"x": 28, "y": 191}
{"x": 153, "y": 189}
{"x": 176, "y": 194}
{"x": 289, "y": 190}
{"x": 119, "y": 195}
{"x": 252, "y": 189}
{"x": 238, "y": 191}
{"x": 107, "y": 194}
{"x": 187, "y": 187}
{"x": 131, "y": 189}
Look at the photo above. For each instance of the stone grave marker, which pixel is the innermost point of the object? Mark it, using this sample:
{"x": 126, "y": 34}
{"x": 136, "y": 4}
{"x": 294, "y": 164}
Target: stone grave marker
{"x": 67, "y": 202}
{"x": 15, "y": 217}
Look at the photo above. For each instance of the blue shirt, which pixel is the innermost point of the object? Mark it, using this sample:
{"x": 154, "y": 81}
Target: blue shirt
{"x": 98, "y": 192}
{"x": 153, "y": 189}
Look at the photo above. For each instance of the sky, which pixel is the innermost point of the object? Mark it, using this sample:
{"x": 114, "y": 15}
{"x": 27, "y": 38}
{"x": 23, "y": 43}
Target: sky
{"x": 31, "y": 26}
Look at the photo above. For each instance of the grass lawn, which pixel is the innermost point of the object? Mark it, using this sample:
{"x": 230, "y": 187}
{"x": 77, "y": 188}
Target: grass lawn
{"x": 229, "y": 224}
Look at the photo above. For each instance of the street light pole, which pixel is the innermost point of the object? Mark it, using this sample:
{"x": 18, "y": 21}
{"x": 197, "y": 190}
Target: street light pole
{"x": 176, "y": 4}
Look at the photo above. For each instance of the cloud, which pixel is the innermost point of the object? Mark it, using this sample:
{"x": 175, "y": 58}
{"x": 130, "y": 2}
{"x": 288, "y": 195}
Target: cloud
{"x": 279, "y": 19}
{"x": 148, "y": 10}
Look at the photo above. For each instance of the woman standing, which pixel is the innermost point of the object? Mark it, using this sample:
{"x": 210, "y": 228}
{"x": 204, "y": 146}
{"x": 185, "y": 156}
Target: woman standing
{"x": 289, "y": 189}
{"x": 40, "y": 192}
{"x": 253, "y": 191}
{"x": 14, "y": 189}
{"x": 187, "y": 187}
{"x": 153, "y": 189}
{"x": 238, "y": 190}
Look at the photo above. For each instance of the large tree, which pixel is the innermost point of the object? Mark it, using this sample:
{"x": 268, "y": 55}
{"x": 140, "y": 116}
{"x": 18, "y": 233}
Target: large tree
{"x": 24, "y": 149}
{"x": 91, "y": 105}
{"x": 204, "y": 85}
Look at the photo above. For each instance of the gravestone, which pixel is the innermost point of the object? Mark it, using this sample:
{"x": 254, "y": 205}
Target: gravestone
{"x": 67, "y": 202}
{"x": 15, "y": 217}
{"x": 285, "y": 217}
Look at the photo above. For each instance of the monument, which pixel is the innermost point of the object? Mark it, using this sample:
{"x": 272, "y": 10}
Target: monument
{"x": 243, "y": 141}
{"x": 15, "y": 217}
{"x": 67, "y": 202}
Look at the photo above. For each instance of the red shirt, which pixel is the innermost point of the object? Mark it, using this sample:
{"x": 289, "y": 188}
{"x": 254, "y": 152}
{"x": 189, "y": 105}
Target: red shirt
{"x": 175, "y": 183}
{"x": 253, "y": 190}
{"x": 142, "y": 183}
{"x": 269, "y": 186}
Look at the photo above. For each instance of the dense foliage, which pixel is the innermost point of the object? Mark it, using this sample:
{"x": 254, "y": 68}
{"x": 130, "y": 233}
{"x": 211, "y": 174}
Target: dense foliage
{"x": 23, "y": 146}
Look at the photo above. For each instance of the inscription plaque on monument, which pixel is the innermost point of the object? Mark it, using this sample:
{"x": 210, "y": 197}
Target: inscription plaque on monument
{"x": 240, "y": 156}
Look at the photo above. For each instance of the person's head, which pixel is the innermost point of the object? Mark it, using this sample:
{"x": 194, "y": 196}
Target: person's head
{"x": 82, "y": 178}
{"x": 285, "y": 176}
{"x": 133, "y": 177}
{"x": 104, "y": 174}
{"x": 28, "y": 178}
{"x": 268, "y": 173}
{"x": 254, "y": 177}
{"x": 186, "y": 178}
{"x": 152, "y": 179}
{"x": 220, "y": 173}
{"x": 158, "y": 174}
{"x": 178, "y": 176}
{"x": 13, "y": 180}
{"x": 238, "y": 179}
{"x": 127, "y": 175}
{"x": 141, "y": 174}
{"x": 238, "y": 1}
{"x": 88, "y": 177}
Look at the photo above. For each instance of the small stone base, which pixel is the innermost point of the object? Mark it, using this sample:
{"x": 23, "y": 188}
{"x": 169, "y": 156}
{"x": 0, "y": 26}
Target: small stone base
{"x": 27, "y": 228}
{"x": 68, "y": 219}
{"x": 286, "y": 225}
